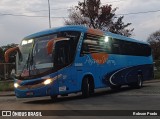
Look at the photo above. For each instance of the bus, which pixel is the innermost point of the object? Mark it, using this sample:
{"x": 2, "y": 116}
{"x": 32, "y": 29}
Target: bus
{"x": 71, "y": 59}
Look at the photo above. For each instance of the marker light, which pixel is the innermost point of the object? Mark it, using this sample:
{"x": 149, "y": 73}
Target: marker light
{"x": 106, "y": 39}
{"x": 16, "y": 85}
{"x": 24, "y": 42}
{"x": 48, "y": 81}
{"x": 30, "y": 41}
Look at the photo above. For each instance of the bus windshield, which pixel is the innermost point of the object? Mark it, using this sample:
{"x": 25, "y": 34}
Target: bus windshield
{"x": 23, "y": 57}
{"x": 34, "y": 59}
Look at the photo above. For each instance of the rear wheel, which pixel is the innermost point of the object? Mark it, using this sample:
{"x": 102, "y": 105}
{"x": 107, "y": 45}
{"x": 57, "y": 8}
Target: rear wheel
{"x": 138, "y": 83}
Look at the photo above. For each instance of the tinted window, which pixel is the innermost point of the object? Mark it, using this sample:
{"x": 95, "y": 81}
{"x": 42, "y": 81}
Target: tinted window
{"x": 115, "y": 46}
{"x": 132, "y": 48}
{"x": 97, "y": 44}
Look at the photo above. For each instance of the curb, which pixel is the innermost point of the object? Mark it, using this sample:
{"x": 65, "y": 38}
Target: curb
{"x": 7, "y": 93}
{"x": 152, "y": 81}
{"x": 6, "y": 81}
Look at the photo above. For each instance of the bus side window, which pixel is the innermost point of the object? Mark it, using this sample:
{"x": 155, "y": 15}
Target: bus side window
{"x": 115, "y": 47}
{"x": 145, "y": 50}
{"x": 85, "y": 49}
{"x": 95, "y": 44}
{"x": 63, "y": 53}
{"x": 128, "y": 48}
{"x": 61, "y": 56}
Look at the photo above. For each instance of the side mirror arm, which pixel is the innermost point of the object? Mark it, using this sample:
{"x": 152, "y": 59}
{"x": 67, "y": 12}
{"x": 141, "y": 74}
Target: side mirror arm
{"x": 8, "y": 52}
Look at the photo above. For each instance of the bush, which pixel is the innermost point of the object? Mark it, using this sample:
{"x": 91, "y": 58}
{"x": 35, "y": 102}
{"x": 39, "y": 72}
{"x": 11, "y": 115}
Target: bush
{"x": 157, "y": 69}
{"x": 6, "y": 86}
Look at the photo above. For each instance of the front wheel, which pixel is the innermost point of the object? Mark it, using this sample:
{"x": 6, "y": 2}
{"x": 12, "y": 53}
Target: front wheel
{"x": 85, "y": 87}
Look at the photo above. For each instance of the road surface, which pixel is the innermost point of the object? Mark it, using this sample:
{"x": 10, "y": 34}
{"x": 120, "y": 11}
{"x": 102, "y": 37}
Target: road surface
{"x": 146, "y": 98}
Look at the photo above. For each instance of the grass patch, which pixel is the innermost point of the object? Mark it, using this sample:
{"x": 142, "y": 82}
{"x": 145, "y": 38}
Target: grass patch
{"x": 157, "y": 74}
{"x": 157, "y": 69}
{"x": 6, "y": 86}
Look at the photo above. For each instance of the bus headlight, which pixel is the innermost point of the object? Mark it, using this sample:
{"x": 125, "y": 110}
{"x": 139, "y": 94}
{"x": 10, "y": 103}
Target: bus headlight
{"x": 16, "y": 85}
{"x": 48, "y": 81}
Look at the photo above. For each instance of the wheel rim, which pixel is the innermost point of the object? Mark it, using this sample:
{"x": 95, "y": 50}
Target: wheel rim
{"x": 88, "y": 87}
{"x": 140, "y": 81}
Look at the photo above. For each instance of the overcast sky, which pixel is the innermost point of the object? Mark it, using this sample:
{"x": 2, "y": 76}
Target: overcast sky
{"x": 14, "y": 28}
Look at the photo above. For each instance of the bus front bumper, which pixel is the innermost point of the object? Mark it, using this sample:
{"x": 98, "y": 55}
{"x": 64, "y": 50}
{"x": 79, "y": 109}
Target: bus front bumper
{"x": 47, "y": 90}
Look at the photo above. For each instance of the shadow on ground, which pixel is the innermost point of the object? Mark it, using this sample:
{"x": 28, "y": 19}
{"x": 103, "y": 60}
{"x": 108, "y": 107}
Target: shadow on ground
{"x": 101, "y": 92}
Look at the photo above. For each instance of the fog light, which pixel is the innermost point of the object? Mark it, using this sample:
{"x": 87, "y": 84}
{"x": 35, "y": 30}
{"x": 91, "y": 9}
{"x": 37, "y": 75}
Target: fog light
{"x": 48, "y": 81}
{"x": 16, "y": 85}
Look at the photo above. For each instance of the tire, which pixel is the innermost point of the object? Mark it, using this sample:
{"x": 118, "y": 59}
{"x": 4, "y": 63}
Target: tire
{"x": 138, "y": 84}
{"x": 54, "y": 98}
{"x": 85, "y": 87}
{"x": 91, "y": 87}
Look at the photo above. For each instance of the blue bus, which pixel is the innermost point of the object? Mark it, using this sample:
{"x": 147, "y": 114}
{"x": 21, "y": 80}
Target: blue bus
{"x": 73, "y": 59}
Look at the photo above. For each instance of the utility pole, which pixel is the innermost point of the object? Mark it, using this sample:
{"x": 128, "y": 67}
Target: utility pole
{"x": 49, "y": 11}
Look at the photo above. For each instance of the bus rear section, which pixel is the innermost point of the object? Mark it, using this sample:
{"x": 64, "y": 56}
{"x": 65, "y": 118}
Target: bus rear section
{"x": 116, "y": 60}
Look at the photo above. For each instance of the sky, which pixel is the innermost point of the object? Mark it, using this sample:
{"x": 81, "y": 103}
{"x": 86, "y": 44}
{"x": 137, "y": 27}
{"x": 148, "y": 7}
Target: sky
{"x": 14, "y": 28}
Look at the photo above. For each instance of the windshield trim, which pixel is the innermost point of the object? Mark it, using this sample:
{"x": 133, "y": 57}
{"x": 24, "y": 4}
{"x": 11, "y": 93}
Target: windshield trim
{"x": 50, "y": 69}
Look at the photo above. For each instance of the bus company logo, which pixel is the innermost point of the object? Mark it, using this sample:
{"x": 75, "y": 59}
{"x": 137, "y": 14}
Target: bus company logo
{"x": 6, "y": 113}
{"x": 100, "y": 58}
{"x": 97, "y": 58}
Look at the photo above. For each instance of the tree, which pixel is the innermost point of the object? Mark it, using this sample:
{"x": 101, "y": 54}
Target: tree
{"x": 94, "y": 15}
{"x": 1, "y": 55}
{"x": 154, "y": 41}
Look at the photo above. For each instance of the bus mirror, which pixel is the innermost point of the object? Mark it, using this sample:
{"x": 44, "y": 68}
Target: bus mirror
{"x": 8, "y": 52}
{"x": 50, "y": 46}
{"x": 52, "y": 42}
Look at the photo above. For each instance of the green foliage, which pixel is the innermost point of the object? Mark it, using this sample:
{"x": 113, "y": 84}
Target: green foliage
{"x": 154, "y": 41}
{"x": 157, "y": 74}
{"x": 6, "y": 86}
{"x": 157, "y": 64}
{"x": 157, "y": 69}
{"x": 1, "y": 55}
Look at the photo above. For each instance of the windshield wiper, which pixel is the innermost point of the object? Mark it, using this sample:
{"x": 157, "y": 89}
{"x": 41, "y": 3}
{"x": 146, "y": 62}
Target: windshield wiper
{"x": 28, "y": 61}
{"x": 27, "y": 64}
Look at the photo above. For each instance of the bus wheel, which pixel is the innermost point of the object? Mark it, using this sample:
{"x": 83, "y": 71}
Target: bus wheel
{"x": 139, "y": 83}
{"x": 85, "y": 87}
{"x": 54, "y": 98}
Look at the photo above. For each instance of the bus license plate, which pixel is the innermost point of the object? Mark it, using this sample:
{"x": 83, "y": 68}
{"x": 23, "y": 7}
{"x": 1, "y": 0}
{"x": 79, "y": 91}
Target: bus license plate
{"x": 29, "y": 93}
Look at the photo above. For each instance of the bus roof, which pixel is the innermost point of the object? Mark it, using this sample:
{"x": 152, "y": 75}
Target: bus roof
{"x": 117, "y": 36}
{"x": 58, "y": 29}
{"x": 81, "y": 29}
